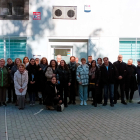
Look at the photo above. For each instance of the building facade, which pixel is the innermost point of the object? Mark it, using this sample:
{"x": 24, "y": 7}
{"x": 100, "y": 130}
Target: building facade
{"x": 46, "y": 28}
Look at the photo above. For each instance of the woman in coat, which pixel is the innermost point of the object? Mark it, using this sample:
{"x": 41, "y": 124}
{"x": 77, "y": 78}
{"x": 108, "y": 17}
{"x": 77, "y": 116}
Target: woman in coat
{"x": 32, "y": 75}
{"x": 51, "y": 71}
{"x": 130, "y": 83}
{"x": 42, "y": 79}
{"x": 64, "y": 78}
{"x": 13, "y": 70}
{"x": 82, "y": 75}
{"x": 20, "y": 82}
{"x": 53, "y": 96}
{"x": 4, "y": 81}
{"x": 94, "y": 78}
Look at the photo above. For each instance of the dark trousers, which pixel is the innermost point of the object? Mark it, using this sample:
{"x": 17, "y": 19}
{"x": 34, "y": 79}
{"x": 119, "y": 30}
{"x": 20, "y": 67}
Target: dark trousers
{"x": 14, "y": 96}
{"x": 72, "y": 92}
{"x": 110, "y": 88}
{"x": 63, "y": 87}
{"x": 10, "y": 88}
{"x": 94, "y": 95}
{"x": 116, "y": 91}
{"x": 2, "y": 94}
{"x": 131, "y": 93}
{"x": 32, "y": 97}
{"x": 100, "y": 94}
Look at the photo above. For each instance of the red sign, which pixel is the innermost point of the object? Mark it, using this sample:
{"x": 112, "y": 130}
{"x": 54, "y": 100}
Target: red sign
{"x": 36, "y": 15}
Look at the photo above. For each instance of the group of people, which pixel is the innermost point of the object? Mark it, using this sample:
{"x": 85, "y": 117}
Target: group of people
{"x": 52, "y": 83}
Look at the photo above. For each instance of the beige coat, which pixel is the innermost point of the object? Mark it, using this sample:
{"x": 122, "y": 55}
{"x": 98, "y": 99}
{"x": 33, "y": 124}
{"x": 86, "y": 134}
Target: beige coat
{"x": 49, "y": 73}
{"x": 20, "y": 81}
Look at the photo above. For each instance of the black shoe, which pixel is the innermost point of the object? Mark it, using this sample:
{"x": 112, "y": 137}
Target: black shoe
{"x": 123, "y": 102}
{"x": 104, "y": 104}
{"x": 74, "y": 103}
{"x": 40, "y": 101}
{"x": 92, "y": 104}
{"x": 99, "y": 102}
{"x": 115, "y": 102}
{"x": 0, "y": 104}
{"x": 69, "y": 102}
{"x": 9, "y": 101}
{"x": 95, "y": 105}
{"x": 138, "y": 102}
{"x": 112, "y": 105}
{"x": 66, "y": 105}
{"x": 4, "y": 104}
{"x": 16, "y": 104}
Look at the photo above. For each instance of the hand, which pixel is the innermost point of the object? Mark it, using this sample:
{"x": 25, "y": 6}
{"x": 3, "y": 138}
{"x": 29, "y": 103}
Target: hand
{"x": 80, "y": 83}
{"x": 120, "y": 77}
{"x": 78, "y": 75}
{"x": 21, "y": 90}
{"x": 59, "y": 96}
{"x": 54, "y": 75}
{"x": 96, "y": 84}
{"x": 60, "y": 101}
{"x": 31, "y": 82}
{"x": 69, "y": 84}
{"x": 9, "y": 71}
{"x": 40, "y": 69}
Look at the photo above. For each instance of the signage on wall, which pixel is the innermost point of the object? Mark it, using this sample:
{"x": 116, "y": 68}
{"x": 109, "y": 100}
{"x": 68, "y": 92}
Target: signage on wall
{"x": 68, "y": 53}
{"x": 36, "y": 15}
{"x": 87, "y": 8}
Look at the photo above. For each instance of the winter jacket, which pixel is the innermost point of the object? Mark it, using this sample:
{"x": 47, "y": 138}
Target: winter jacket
{"x": 10, "y": 66}
{"x": 110, "y": 76}
{"x": 4, "y": 77}
{"x": 20, "y": 81}
{"x": 121, "y": 68}
{"x": 49, "y": 72}
{"x": 13, "y": 70}
{"x": 138, "y": 75}
{"x": 130, "y": 81}
{"x": 32, "y": 76}
{"x": 82, "y": 76}
{"x": 64, "y": 76}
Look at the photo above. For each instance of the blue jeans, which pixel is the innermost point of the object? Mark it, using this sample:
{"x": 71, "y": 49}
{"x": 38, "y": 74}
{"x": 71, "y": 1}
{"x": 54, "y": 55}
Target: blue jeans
{"x": 83, "y": 92}
{"x": 109, "y": 88}
{"x": 32, "y": 97}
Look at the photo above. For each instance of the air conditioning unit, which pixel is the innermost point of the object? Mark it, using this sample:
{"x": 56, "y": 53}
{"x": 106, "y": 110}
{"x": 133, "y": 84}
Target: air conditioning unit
{"x": 65, "y": 12}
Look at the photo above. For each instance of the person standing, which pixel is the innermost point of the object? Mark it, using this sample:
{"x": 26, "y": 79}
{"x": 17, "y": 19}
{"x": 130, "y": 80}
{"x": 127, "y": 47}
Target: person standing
{"x": 94, "y": 79}
{"x": 37, "y": 61}
{"x": 64, "y": 78}
{"x": 20, "y": 83}
{"x": 138, "y": 76}
{"x": 130, "y": 84}
{"x": 13, "y": 70}
{"x": 32, "y": 75}
{"x": 72, "y": 67}
{"x": 26, "y": 61}
{"x": 82, "y": 75}
{"x": 121, "y": 67}
{"x": 99, "y": 62}
{"x": 9, "y": 65}
{"x": 89, "y": 60}
{"x": 58, "y": 58}
{"x": 4, "y": 81}
{"x": 109, "y": 75}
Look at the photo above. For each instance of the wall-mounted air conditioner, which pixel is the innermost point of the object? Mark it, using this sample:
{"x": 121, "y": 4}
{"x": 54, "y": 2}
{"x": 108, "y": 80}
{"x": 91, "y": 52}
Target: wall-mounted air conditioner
{"x": 65, "y": 12}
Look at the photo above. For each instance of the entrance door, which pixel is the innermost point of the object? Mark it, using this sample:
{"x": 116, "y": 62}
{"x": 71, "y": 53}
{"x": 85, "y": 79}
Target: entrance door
{"x": 65, "y": 53}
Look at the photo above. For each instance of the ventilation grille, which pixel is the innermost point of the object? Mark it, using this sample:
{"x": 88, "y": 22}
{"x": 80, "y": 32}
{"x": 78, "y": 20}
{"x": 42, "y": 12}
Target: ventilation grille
{"x": 65, "y": 12}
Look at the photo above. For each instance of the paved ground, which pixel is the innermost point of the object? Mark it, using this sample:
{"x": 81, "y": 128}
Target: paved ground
{"x": 75, "y": 122}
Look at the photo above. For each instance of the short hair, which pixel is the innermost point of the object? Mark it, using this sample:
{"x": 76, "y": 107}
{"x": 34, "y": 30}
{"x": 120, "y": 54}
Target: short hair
{"x": 89, "y": 56}
{"x": 9, "y": 59}
{"x": 53, "y": 77}
{"x": 41, "y": 62}
{"x": 3, "y": 60}
{"x": 37, "y": 58}
{"x": 105, "y": 58}
{"x": 21, "y": 65}
{"x": 19, "y": 60}
{"x": 130, "y": 59}
{"x": 72, "y": 57}
{"x": 83, "y": 59}
{"x": 24, "y": 59}
{"x": 100, "y": 59}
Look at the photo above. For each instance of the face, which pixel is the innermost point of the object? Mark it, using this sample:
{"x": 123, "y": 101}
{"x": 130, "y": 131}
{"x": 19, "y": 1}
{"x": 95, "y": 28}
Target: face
{"x": 89, "y": 59}
{"x": 32, "y": 62}
{"x": 53, "y": 80}
{"x": 53, "y": 63}
{"x": 130, "y": 62}
{"x": 37, "y": 61}
{"x": 44, "y": 61}
{"x": 99, "y": 61}
{"x": 21, "y": 68}
{"x": 17, "y": 61}
{"x": 83, "y": 62}
{"x": 106, "y": 61}
{"x": 62, "y": 63}
{"x": 93, "y": 64}
{"x": 26, "y": 60}
{"x": 120, "y": 58}
{"x": 2, "y": 63}
{"x": 72, "y": 59}
{"x": 76, "y": 59}
{"x": 138, "y": 63}
{"x": 59, "y": 58}
{"x": 9, "y": 61}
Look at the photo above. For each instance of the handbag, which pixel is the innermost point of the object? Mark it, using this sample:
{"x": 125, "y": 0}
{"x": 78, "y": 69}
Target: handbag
{"x": 60, "y": 107}
{"x": 91, "y": 85}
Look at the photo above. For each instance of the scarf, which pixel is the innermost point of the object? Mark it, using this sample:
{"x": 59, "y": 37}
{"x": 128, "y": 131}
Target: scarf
{"x": 84, "y": 67}
{"x": 72, "y": 66}
{"x": 92, "y": 72}
{"x": 43, "y": 66}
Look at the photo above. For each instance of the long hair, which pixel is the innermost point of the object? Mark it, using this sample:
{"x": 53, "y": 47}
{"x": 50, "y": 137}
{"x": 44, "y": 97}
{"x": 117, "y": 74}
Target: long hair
{"x": 91, "y": 64}
{"x": 51, "y": 63}
{"x": 19, "y": 60}
{"x": 65, "y": 65}
{"x": 24, "y": 59}
{"x": 41, "y": 62}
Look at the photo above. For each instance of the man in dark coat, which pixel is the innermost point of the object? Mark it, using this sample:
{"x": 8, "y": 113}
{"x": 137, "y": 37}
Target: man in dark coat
{"x": 131, "y": 83}
{"x": 89, "y": 60}
{"x": 121, "y": 67}
{"x": 108, "y": 76}
{"x": 138, "y": 76}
